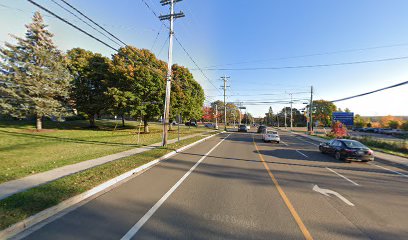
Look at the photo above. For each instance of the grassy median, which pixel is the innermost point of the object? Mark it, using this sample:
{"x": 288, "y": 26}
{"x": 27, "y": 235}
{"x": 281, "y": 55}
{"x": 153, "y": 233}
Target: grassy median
{"x": 24, "y": 151}
{"x": 22, "y": 205}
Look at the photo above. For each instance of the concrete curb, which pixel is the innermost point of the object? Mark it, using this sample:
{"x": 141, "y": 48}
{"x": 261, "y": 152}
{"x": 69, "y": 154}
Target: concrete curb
{"x": 52, "y": 211}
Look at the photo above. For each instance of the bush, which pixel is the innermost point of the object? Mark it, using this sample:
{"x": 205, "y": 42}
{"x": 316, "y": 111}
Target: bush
{"x": 397, "y": 147}
{"x": 404, "y": 126}
{"x": 393, "y": 124}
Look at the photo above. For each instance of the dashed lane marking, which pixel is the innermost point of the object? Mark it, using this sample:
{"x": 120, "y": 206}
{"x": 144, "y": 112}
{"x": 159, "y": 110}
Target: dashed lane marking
{"x": 338, "y": 174}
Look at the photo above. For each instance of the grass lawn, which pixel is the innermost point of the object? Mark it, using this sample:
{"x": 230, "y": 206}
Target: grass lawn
{"x": 22, "y": 205}
{"x": 23, "y": 151}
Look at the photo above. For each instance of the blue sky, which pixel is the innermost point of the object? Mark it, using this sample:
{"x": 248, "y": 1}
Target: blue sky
{"x": 266, "y": 33}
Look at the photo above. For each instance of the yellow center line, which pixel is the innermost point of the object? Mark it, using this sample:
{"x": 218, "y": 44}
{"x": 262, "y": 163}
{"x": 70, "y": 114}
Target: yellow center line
{"x": 292, "y": 210}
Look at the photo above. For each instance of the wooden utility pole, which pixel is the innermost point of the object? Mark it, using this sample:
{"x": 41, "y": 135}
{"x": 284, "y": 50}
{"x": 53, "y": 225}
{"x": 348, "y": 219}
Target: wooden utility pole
{"x": 225, "y": 79}
{"x": 171, "y": 18}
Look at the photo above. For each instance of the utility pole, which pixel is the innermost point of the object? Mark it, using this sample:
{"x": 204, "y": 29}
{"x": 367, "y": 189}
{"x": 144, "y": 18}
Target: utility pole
{"x": 216, "y": 116}
{"x": 311, "y": 110}
{"x": 225, "y": 79}
{"x": 233, "y": 115}
{"x": 291, "y": 115}
{"x": 285, "y": 118}
{"x": 277, "y": 116}
{"x": 171, "y": 18}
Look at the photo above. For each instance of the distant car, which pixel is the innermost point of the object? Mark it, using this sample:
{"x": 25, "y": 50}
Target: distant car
{"x": 248, "y": 127}
{"x": 261, "y": 128}
{"x": 191, "y": 124}
{"x": 270, "y": 136}
{"x": 242, "y": 128}
{"x": 385, "y": 130}
{"x": 357, "y": 129}
{"x": 376, "y": 130}
{"x": 369, "y": 129}
{"x": 347, "y": 150}
{"x": 398, "y": 132}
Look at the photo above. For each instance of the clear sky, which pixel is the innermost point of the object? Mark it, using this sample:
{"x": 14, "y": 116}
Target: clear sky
{"x": 263, "y": 33}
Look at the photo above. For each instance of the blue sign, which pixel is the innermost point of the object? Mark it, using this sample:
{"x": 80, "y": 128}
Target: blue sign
{"x": 347, "y": 118}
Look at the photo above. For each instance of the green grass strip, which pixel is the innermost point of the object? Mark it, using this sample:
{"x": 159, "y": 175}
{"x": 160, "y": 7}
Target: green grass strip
{"x": 25, "y": 204}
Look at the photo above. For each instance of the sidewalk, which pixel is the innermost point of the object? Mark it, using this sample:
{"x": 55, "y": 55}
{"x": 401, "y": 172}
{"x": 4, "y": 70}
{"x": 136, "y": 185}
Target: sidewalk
{"x": 383, "y": 156}
{"x": 19, "y": 185}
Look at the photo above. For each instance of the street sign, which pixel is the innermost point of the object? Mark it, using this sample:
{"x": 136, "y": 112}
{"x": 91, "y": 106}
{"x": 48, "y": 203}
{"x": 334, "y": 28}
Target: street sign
{"x": 347, "y": 118}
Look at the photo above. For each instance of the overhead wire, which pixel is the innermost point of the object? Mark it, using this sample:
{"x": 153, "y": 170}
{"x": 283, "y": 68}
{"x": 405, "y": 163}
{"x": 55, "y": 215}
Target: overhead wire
{"x": 82, "y": 14}
{"x": 304, "y": 66}
{"x": 183, "y": 48}
{"x": 371, "y": 92}
{"x": 72, "y": 25}
{"x": 312, "y": 55}
{"x": 85, "y": 22}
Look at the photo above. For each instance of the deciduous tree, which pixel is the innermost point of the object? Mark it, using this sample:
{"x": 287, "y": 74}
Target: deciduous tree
{"x": 322, "y": 112}
{"x": 187, "y": 95}
{"x": 90, "y": 71}
{"x": 137, "y": 84}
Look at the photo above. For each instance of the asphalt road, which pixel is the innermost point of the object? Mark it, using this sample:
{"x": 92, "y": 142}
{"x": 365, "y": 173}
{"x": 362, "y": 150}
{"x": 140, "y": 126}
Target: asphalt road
{"x": 234, "y": 186}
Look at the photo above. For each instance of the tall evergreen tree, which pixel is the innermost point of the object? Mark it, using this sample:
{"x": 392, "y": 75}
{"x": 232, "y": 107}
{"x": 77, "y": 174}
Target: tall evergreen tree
{"x": 35, "y": 80}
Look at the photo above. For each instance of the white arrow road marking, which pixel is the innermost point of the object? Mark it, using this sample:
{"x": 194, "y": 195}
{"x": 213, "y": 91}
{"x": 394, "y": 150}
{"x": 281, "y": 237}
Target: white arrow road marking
{"x": 326, "y": 192}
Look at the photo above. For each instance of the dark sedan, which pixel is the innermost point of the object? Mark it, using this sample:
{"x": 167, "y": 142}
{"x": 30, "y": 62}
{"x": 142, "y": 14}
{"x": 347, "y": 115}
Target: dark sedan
{"x": 261, "y": 128}
{"x": 347, "y": 150}
{"x": 242, "y": 128}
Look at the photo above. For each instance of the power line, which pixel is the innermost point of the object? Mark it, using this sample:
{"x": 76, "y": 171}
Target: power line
{"x": 161, "y": 49}
{"x": 195, "y": 63}
{"x": 93, "y": 21}
{"x": 306, "y": 66}
{"x": 367, "y": 93}
{"x": 265, "y": 94}
{"x": 181, "y": 45}
{"x": 72, "y": 25}
{"x": 157, "y": 37}
{"x": 85, "y": 22}
{"x": 313, "y": 54}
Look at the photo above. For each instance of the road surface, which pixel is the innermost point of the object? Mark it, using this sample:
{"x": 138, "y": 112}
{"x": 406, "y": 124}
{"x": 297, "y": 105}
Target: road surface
{"x": 234, "y": 186}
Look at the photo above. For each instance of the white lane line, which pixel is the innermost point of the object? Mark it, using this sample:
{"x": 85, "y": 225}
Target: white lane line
{"x": 342, "y": 176}
{"x": 302, "y": 153}
{"x": 284, "y": 143}
{"x": 306, "y": 141}
{"x": 132, "y": 232}
{"x": 401, "y": 174}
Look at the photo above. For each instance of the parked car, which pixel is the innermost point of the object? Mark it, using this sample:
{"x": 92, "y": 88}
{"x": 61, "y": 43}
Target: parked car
{"x": 398, "y": 132}
{"x": 191, "y": 123}
{"x": 248, "y": 127}
{"x": 209, "y": 125}
{"x": 347, "y": 150}
{"x": 270, "y": 136}
{"x": 242, "y": 128}
{"x": 368, "y": 129}
{"x": 261, "y": 128}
